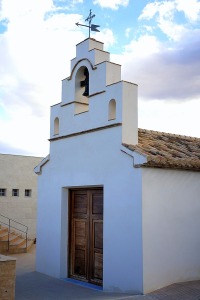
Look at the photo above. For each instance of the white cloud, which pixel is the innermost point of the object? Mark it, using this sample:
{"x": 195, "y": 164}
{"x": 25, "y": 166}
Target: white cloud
{"x": 113, "y": 4}
{"x": 167, "y": 23}
{"x": 172, "y": 30}
{"x": 26, "y": 132}
{"x": 166, "y": 9}
{"x": 128, "y": 31}
{"x": 13, "y": 10}
{"x": 35, "y": 56}
{"x": 144, "y": 46}
{"x": 173, "y": 117}
{"x": 164, "y": 13}
{"x": 149, "y": 11}
{"x": 106, "y": 35}
{"x": 148, "y": 29}
{"x": 163, "y": 73}
{"x": 191, "y": 9}
{"x": 35, "y": 53}
{"x": 77, "y": 1}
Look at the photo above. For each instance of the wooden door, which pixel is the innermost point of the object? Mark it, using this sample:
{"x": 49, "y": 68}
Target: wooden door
{"x": 86, "y": 235}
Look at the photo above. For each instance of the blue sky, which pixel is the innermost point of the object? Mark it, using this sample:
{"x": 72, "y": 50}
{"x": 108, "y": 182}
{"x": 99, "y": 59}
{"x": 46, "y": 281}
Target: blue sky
{"x": 156, "y": 42}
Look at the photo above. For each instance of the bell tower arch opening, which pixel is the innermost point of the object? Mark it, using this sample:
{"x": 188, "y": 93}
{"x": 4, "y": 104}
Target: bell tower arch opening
{"x": 82, "y": 85}
{"x": 81, "y": 90}
{"x": 85, "y": 83}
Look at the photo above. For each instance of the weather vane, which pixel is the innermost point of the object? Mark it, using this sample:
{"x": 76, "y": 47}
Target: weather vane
{"x": 90, "y": 26}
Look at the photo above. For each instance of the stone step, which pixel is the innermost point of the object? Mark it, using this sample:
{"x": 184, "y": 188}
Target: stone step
{"x": 3, "y": 229}
{"x": 17, "y": 243}
{"x": 12, "y": 236}
{"x": 21, "y": 248}
{"x": 3, "y": 236}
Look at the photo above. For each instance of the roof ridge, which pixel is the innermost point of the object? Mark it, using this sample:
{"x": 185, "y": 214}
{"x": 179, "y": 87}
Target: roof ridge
{"x": 168, "y": 134}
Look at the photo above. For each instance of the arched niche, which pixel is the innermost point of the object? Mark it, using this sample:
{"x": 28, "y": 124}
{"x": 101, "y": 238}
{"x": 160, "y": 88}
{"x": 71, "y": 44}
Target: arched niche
{"x": 82, "y": 90}
{"x": 82, "y": 84}
{"x": 56, "y": 125}
{"x": 112, "y": 110}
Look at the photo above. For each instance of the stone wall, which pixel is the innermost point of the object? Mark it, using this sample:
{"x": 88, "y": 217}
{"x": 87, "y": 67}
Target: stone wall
{"x": 7, "y": 277}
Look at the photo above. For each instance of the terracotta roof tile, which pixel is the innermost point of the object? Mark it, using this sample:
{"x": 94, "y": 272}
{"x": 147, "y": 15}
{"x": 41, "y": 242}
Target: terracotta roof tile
{"x": 165, "y": 150}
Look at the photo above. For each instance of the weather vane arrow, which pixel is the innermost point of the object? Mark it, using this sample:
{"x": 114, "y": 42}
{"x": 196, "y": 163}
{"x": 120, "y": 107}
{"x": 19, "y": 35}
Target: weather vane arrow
{"x": 91, "y": 27}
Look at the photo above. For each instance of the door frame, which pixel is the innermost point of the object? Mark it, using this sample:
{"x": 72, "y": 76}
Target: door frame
{"x": 70, "y": 190}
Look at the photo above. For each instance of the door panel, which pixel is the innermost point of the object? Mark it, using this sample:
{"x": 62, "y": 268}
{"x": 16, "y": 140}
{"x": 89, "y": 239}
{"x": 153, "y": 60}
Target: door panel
{"x": 79, "y": 232}
{"x": 98, "y": 234}
{"x": 80, "y": 248}
{"x": 97, "y": 251}
{"x": 98, "y": 263}
{"x": 86, "y": 235}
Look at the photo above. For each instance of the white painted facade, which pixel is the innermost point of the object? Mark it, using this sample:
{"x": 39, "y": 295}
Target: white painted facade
{"x": 86, "y": 136}
{"x": 17, "y": 172}
{"x": 170, "y": 222}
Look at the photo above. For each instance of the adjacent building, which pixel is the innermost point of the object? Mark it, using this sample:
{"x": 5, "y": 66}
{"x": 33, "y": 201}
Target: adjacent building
{"x": 18, "y": 191}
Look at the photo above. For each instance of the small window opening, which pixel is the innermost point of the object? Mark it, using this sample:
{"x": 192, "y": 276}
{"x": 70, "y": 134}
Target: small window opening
{"x": 15, "y": 193}
{"x": 56, "y": 126}
{"x": 112, "y": 110}
{"x": 27, "y": 193}
{"x": 2, "y": 192}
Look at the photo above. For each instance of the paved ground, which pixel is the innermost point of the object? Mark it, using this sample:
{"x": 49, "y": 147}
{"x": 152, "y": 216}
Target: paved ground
{"x": 31, "y": 285}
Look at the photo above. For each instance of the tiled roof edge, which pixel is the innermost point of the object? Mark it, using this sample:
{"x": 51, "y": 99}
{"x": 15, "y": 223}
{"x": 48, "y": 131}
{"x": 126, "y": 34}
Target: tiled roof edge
{"x": 154, "y": 147}
{"x": 168, "y": 134}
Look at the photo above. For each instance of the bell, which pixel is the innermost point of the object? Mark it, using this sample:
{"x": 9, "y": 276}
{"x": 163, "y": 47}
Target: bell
{"x": 85, "y": 83}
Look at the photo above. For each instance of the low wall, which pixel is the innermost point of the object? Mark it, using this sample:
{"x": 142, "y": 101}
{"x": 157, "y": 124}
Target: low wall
{"x": 7, "y": 277}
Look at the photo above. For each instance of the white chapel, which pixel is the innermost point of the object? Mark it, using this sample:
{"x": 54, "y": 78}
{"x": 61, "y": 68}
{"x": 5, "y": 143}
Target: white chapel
{"x": 118, "y": 206}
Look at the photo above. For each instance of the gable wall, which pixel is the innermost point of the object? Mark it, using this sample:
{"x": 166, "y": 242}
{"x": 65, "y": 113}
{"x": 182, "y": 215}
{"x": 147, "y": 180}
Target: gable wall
{"x": 171, "y": 222}
{"x": 87, "y": 160}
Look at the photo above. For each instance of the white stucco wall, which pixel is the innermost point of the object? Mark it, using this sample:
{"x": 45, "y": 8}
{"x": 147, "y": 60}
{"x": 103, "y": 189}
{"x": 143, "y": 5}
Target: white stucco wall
{"x": 93, "y": 159}
{"x": 171, "y": 222}
{"x": 86, "y": 152}
{"x": 17, "y": 172}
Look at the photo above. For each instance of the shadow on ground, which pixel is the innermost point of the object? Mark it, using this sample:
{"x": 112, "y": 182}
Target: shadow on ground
{"x": 32, "y": 285}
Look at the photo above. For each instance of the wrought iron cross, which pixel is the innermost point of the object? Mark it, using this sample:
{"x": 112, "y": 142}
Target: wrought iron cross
{"x": 90, "y": 26}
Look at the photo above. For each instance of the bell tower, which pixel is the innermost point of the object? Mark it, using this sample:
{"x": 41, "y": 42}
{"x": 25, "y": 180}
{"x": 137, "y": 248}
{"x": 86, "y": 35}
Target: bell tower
{"x": 94, "y": 96}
